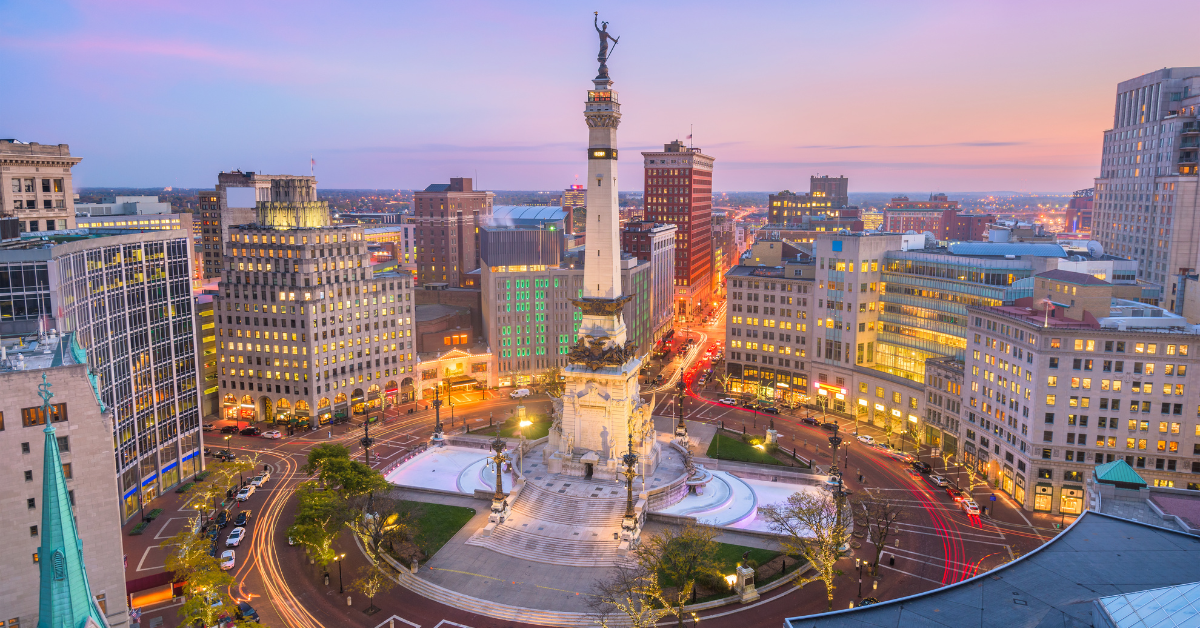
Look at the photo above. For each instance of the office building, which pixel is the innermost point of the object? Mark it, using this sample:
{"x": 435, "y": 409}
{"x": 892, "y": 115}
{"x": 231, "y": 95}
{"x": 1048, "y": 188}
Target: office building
{"x": 35, "y": 185}
{"x": 678, "y": 191}
{"x": 399, "y": 240}
{"x": 209, "y": 228}
{"x": 1073, "y": 377}
{"x": 236, "y": 195}
{"x": 62, "y": 491}
{"x": 655, "y": 243}
{"x": 1079, "y": 211}
{"x": 448, "y": 219}
{"x": 901, "y": 215}
{"x": 307, "y": 332}
{"x": 127, "y": 298}
{"x": 834, "y": 190}
{"x": 210, "y": 399}
{"x": 529, "y": 319}
{"x": 1146, "y": 192}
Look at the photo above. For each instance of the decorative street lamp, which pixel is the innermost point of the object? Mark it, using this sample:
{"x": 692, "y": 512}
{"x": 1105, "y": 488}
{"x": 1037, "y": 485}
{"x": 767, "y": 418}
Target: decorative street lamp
{"x": 835, "y": 441}
{"x": 681, "y": 427}
{"x": 629, "y": 525}
{"x": 367, "y": 441}
{"x": 437, "y": 439}
{"x": 338, "y": 560}
{"x": 497, "y": 446}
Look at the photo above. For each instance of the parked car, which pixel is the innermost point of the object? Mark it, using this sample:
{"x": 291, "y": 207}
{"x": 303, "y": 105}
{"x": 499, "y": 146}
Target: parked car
{"x": 229, "y": 429}
{"x": 250, "y": 431}
{"x": 265, "y": 475}
{"x": 866, "y": 438}
{"x": 810, "y": 421}
{"x": 921, "y": 466}
{"x": 729, "y": 401}
{"x": 222, "y": 519}
{"x": 272, "y": 434}
{"x": 969, "y": 506}
{"x": 769, "y": 409}
{"x": 245, "y": 611}
{"x": 749, "y": 403}
{"x": 828, "y": 426}
{"x": 224, "y": 455}
{"x": 245, "y": 493}
{"x": 228, "y": 558}
{"x": 519, "y": 393}
{"x": 955, "y": 494}
{"x": 937, "y": 480}
{"x": 235, "y": 537}
{"x": 242, "y": 519}
{"x": 209, "y": 427}
{"x": 256, "y": 481}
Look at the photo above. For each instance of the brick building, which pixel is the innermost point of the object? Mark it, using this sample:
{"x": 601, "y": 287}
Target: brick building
{"x": 448, "y": 217}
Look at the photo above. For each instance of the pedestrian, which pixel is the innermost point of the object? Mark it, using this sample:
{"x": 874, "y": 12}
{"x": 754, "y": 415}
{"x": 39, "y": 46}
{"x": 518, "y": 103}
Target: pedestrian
{"x": 330, "y": 434}
{"x": 985, "y": 511}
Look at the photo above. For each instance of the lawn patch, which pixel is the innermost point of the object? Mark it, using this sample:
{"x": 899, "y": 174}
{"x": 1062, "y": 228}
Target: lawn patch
{"x": 438, "y": 524}
{"x": 727, "y": 448}
{"x": 540, "y": 427}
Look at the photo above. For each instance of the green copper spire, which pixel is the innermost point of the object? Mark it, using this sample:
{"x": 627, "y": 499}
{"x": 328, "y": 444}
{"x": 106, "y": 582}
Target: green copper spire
{"x": 64, "y": 597}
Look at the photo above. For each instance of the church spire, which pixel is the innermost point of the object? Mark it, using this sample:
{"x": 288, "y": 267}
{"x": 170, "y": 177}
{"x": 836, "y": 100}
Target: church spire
{"x": 64, "y": 597}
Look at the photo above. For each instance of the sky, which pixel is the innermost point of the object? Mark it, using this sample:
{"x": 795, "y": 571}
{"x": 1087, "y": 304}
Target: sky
{"x": 940, "y": 96}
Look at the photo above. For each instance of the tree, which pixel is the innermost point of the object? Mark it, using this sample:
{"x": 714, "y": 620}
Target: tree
{"x": 391, "y": 523}
{"x": 212, "y": 492}
{"x": 630, "y": 596}
{"x": 371, "y": 582}
{"x": 186, "y": 550}
{"x": 351, "y": 478}
{"x": 724, "y": 379}
{"x": 681, "y": 556}
{"x": 973, "y": 476}
{"x": 322, "y": 453}
{"x": 553, "y": 382}
{"x": 319, "y": 519}
{"x": 882, "y": 517}
{"x": 813, "y": 526}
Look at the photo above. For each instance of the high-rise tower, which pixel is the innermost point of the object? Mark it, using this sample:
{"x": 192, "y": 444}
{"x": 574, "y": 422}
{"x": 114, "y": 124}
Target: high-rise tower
{"x": 602, "y": 416}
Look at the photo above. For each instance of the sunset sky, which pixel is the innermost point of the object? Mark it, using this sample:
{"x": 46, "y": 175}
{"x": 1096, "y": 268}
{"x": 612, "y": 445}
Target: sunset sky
{"x": 899, "y": 96}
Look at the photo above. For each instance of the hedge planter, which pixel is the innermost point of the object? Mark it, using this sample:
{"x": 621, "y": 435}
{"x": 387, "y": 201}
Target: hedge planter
{"x": 153, "y": 514}
{"x": 184, "y": 487}
{"x": 139, "y": 528}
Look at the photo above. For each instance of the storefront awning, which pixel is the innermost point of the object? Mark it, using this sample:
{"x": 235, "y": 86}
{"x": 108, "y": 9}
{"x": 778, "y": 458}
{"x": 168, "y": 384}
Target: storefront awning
{"x": 460, "y": 380}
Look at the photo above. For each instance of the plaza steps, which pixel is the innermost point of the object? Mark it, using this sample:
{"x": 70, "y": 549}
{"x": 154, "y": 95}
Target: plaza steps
{"x": 575, "y": 531}
{"x": 539, "y": 503}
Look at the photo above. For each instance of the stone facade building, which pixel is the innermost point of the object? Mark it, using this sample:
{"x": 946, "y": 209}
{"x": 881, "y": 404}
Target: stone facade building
{"x": 306, "y": 331}
{"x": 35, "y": 184}
{"x": 84, "y": 434}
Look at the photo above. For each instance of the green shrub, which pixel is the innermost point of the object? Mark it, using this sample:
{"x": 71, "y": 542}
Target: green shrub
{"x": 139, "y": 528}
{"x": 183, "y": 488}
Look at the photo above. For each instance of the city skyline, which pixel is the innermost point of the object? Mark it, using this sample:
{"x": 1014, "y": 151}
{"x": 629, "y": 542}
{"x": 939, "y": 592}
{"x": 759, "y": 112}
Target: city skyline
{"x": 154, "y": 95}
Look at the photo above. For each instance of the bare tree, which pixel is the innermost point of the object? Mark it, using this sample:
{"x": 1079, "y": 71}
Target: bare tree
{"x": 631, "y": 596}
{"x": 881, "y": 517}
{"x": 682, "y": 556}
{"x": 371, "y": 582}
{"x": 814, "y": 526}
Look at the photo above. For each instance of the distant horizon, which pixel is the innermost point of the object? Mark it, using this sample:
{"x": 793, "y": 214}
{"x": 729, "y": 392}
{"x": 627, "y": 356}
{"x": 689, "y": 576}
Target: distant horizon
{"x": 325, "y": 189}
{"x": 914, "y": 95}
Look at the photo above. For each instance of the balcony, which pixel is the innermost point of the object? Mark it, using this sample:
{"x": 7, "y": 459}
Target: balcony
{"x": 1191, "y": 128}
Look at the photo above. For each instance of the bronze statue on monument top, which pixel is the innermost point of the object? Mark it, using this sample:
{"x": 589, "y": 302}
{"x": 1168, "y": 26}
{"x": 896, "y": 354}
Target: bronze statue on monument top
{"x": 605, "y": 37}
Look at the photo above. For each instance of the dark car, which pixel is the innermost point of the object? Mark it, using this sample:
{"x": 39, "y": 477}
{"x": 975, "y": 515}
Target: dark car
{"x": 229, "y": 429}
{"x": 245, "y": 611}
{"x": 923, "y": 467}
{"x": 769, "y": 409}
{"x": 222, "y": 519}
{"x": 828, "y": 426}
{"x": 214, "y": 532}
{"x": 212, "y": 549}
{"x": 809, "y": 421}
{"x": 749, "y": 403}
{"x": 242, "y": 519}
{"x": 250, "y": 431}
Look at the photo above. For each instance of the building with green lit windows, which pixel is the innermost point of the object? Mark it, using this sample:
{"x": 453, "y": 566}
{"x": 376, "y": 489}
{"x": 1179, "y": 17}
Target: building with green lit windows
{"x": 528, "y": 282}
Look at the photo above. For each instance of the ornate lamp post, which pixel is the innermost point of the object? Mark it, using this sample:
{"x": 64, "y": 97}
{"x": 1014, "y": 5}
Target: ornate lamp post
{"x": 629, "y": 524}
{"x": 338, "y": 560}
{"x": 835, "y": 441}
{"x": 681, "y": 427}
{"x": 367, "y": 441}
{"x": 437, "y": 440}
{"x": 499, "y": 505}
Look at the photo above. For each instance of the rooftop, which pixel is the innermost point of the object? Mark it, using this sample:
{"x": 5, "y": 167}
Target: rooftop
{"x": 1003, "y": 249}
{"x": 1066, "y": 276}
{"x": 509, "y": 215}
{"x": 28, "y": 353}
{"x": 1056, "y": 584}
{"x": 435, "y": 311}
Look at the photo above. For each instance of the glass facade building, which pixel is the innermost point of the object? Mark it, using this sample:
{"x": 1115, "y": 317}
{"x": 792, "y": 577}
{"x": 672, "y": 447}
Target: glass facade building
{"x": 127, "y": 297}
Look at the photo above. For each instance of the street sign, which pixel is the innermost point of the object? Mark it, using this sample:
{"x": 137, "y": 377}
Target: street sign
{"x": 993, "y": 497}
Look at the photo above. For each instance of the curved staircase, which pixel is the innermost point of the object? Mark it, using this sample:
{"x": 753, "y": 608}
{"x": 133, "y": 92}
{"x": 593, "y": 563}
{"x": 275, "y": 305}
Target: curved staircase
{"x": 559, "y": 529}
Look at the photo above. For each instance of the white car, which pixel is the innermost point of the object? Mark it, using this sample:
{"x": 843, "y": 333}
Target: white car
{"x": 519, "y": 393}
{"x": 245, "y": 493}
{"x": 730, "y": 401}
{"x": 866, "y": 438}
{"x": 969, "y": 506}
{"x": 235, "y": 537}
{"x": 937, "y": 480}
{"x": 265, "y": 475}
{"x": 227, "y": 559}
{"x": 256, "y": 481}
{"x": 272, "y": 434}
